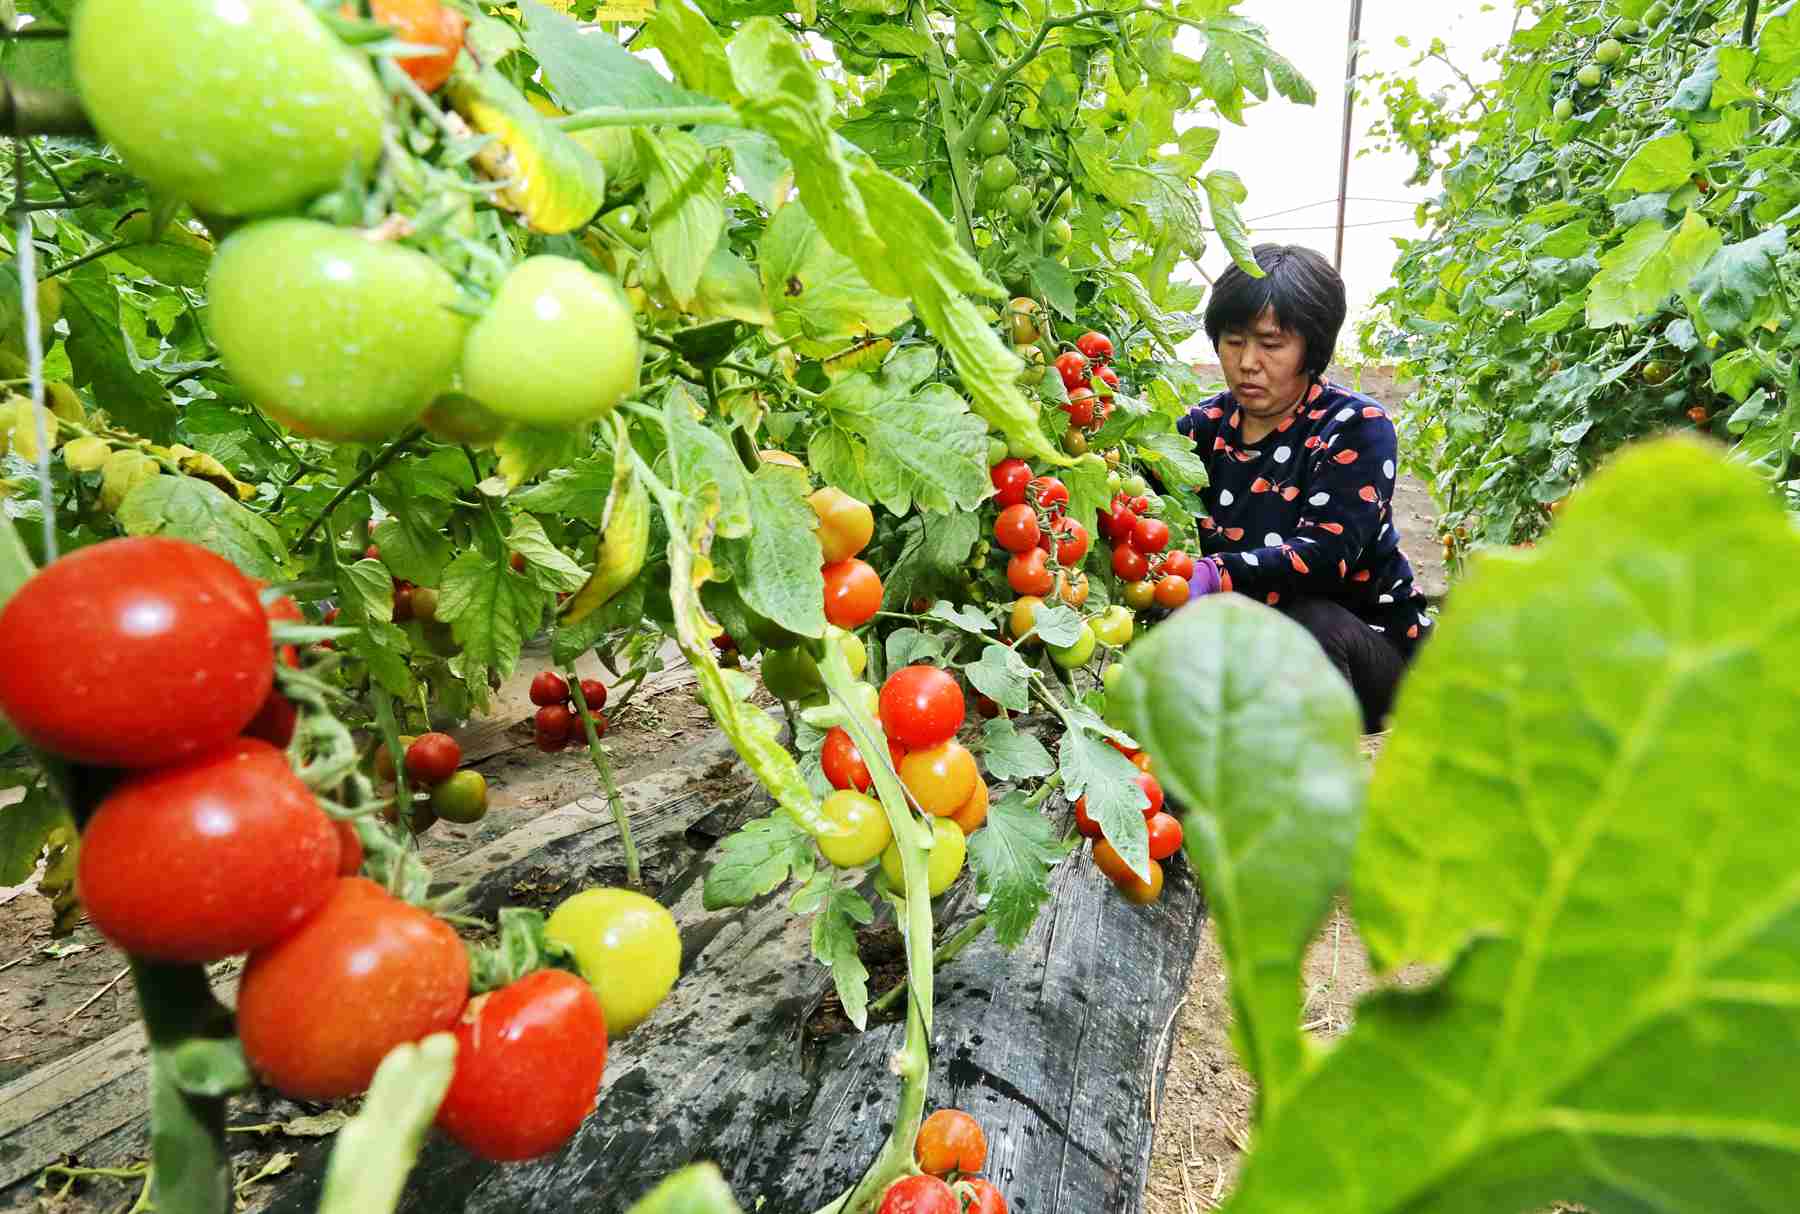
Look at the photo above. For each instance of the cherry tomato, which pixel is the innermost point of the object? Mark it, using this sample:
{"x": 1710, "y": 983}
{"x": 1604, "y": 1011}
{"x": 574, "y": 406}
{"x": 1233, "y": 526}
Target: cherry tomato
{"x": 1109, "y": 377}
{"x": 1139, "y": 891}
{"x": 986, "y": 707}
{"x": 1076, "y": 654}
{"x": 1051, "y": 494}
{"x": 1097, "y": 347}
{"x": 1114, "y": 625}
{"x": 274, "y": 721}
{"x": 1154, "y": 791}
{"x": 1139, "y": 595}
{"x": 1080, "y": 408}
{"x": 550, "y": 743}
{"x": 1010, "y": 476}
{"x": 1071, "y": 541}
{"x": 1178, "y": 564}
{"x": 950, "y": 1141}
{"x": 516, "y": 562}
{"x": 433, "y": 758}
{"x": 948, "y": 850}
{"x": 852, "y": 593}
{"x": 983, "y": 1197}
{"x": 462, "y": 798}
{"x": 283, "y": 608}
{"x": 1029, "y": 573}
{"x": 1165, "y": 836}
{"x": 350, "y": 848}
{"x": 550, "y": 688}
{"x": 1140, "y": 504}
{"x": 422, "y": 23}
{"x": 234, "y": 831}
{"x": 1129, "y": 564}
{"x": 1087, "y": 826}
{"x": 593, "y": 693}
{"x": 403, "y": 603}
{"x": 1172, "y": 592}
{"x": 1119, "y": 524}
{"x": 529, "y": 1059}
{"x": 940, "y": 778}
{"x": 972, "y": 815}
{"x": 1140, "y": 760}
{"x": 860, "y": 829}
{"x": 845, "y": 524}
{"x": 627, "y": 946}
{"x": 1071, "y": 587}
{"x": 1075, "y": 441}
{"x": 1150, "y": 535}
{"x": 1072, "y": 365}
{"x": 921, "y": 706}
{"x": 1016, "y": 529}
{"x": 791, "y": 674}
{"x": 134, "y": 652}
{"x": 554, "y": 722}
{"x": 320, "y": 1009}
{"x": 919, "y": 1195}
{"x": 1119, "y": 746}
{"x": 843, "y": 763}
{"x": 1024, "y": 615}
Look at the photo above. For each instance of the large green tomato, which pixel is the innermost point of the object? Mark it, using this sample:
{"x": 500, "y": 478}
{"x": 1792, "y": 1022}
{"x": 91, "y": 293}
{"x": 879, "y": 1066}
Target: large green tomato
{"x": 948, "y": 850}
{"x": 791, "y": 674}
{"x": 558, "y": 347}
{"x": 1071, "y": 656}
{"x": 1115, "y": 625}
{"x": 859, "y": 831}
{"x": 627, "y": 946}
{"x": 240, "y": 107}
{"x": 337, "y": 336}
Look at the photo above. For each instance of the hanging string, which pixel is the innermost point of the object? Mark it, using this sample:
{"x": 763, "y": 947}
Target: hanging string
{"x": 25, "y": 259}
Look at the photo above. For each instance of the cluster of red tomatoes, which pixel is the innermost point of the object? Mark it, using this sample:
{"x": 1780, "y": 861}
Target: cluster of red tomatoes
{"x": 1090, "y": 381}
{"x": 1165, "y": 834}
{"x": 949, "y": 1150}
{"x": 440, "y": 790}
{"x": 1151, "y": 576}
{"x": 558, "y": 722}
{"x": 1047, "y": 546}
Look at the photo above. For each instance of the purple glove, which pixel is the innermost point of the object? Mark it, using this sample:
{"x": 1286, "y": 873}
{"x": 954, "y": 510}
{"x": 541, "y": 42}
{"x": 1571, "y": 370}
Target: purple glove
{"x": 1204, "y": 581}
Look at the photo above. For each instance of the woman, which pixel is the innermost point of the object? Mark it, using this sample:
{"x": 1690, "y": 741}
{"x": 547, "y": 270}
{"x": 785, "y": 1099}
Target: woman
{"x": 1300, "y": 504}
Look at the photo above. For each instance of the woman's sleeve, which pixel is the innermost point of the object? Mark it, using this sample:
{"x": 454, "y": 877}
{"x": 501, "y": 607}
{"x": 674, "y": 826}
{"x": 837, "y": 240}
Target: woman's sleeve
{"x": 1349, "y": 493}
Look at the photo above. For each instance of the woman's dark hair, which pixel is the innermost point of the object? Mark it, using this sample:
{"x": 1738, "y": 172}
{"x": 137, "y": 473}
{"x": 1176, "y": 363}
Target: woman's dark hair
{"x": 1306, "y": 293}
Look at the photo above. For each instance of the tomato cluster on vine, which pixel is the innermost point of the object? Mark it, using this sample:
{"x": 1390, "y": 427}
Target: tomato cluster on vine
{"x": 558, "y": 721}
{"x": 1164, "y": 830}
{"x": 949, "y": 1150}
{"x": 1153, "y": 577}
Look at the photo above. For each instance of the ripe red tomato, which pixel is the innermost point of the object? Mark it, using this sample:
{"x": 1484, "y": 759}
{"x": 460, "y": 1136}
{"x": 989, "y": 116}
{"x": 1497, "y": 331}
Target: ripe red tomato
{"x": 921, "y": 706}
{"x": 1051, "y": 493}
{"x": 1140, "y": 760}
{"x": 1016, "y": 529}
{"x": 1071, "y": 542}
{"x": 1010, "y": 476}
{"x": 1097, "y": 347}
{"x": 852, "y": 593}
{"x": 403, "y": 602}
{"x": 207, "y": 858}
{"x": 1154, "y": 791}
{"x": 1150, "y": 535}
{"x": 1177, "y": 564}
{"x": 1029, "y": 573}
{"x": 350, "y": 848}
{"x": 1072, "y": 365}
{"x": 1119, "y": 525}
{"x": 550, "y": 688}
{"x": 593, "y": 691}
{"x": 1109, "y": 377}
{"x": 553, "y": 723}
{"x": 1083, "y": 822}
{"x": 319, "y": 1010}
{"x": 843, "y": 763}
{"x": 423, "y": 23}
{"x": 1123, "y": 749}
{"x": 940, "y": 778}
{"x": 433, "y": 758}
{"x": 1172, "y": 592}
{"x": 274, "y": 721}
{"x": 950, "y": 1141}
{"x": 529, "y": 1058}
{"x": 1140, "y": 504}
{"x": 372, "y": 552}
{"x": 1129, "y": 564}
{"x": 919, "y": 1195}
{"x": 283, "y": 608}
{"x": 1080, "y": 407}
{"x": 1165, "y": 836}
{"x": 982, "y": 1196}
{"x": 986, "y": 707}
{"x": 600, "y": 725}
{"x": 134, "y": 653}
{"x": 1108, "y": 860}
{"x": 973, "y": 814}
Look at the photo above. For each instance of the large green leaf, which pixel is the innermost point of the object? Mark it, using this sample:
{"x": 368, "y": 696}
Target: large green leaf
{"x": 376, "y": 1150}
{"x": 490, "y": 610}
{"x": 687, "y": 213}
{"x": 131, "y": 394}
{"x": 1613, "y": 893}
{"x": 194, "y": 510}
{"x": 1659, "y": 165}
{"x": 589, "y": 68}
{"x": 1648, "y": 266}
{"x": 1778, "y": 48}
{"x": 1740, "y": 286}
{"x": 696, "y": 1189}
{"x": 1012, "y": 857}
{"x": 776, "y": 567}
{"x": 817, "y": 294}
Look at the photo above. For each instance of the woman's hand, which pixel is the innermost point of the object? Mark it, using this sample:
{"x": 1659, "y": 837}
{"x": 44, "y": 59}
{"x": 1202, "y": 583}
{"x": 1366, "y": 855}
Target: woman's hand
{"x": 1205, "y": 580}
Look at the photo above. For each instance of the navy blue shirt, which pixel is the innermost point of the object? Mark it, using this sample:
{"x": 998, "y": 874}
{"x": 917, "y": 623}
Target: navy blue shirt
{"x": 1307, "y": 511}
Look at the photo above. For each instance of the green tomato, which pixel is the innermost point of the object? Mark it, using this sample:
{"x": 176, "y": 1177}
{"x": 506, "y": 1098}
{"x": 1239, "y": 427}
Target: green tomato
{"x": 996, "y": 449}
{"x": 1630, "y": 27}
{"x": 992, "y": 137}
{"x": 457, "y": 418}
{"x": 627, "y": 947}
{"x": 1589, "y": 76}
{"x": 856, "y": 654}
{"x": 339, "y": 337}
{"x": 968, "y": 46}
{"x": 1656, "y": 14}
{"x": 1110, "y": 679}
{"x": 558, "y": 346}
{"x": 791, "y": 674}
{"x": 238, "y": 109}
{"x": 1136, "y": 485}
{"x": 1018, "y": 201}
{"x": 1114, "y": 482}
{"x": 1071, "y": 656}
{"x": 462, "y": 799}
{"x": 1114, "y": 626}
{"x": 859, "y": 829}
{"x": 1058, "y": 233}
{"x": 1565, "y": 110}
{"x": 1609, "y": 52}
{"x": 998, "y": 173}
{"x": 948, "y": 850}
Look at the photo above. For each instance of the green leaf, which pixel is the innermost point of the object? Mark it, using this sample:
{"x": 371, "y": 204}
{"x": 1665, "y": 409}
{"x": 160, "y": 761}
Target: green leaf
{"x": 1557, "y": 318}
{"x": 522, "y": 946}
{"x": 1012, "y": 857}
{"x": 1092, "y": 769}
{"x": 576, "y": 492}
{"x": 730, "y": 288}
{"x": 691, "y": 45}
{"x": 1174, "y": 459}
{"x": 1740, "y": 287}
{"x": 1003, "y": 677}
{"x": 703, "y": 457}
{"x": 1224, "y": 191}
{"x": 1649, "y": 265}
{"x": 376, "y": 1150}
{"x": 367, "y": 589}
{"x": 1778, "y": 49}
{"x": 696, "y": 1189}
{"x": 1663, "y": 163}
{"x": 490, "y": 610}
{"x": 905, "y": 646}
{"x": 25, "y": 826}
{"x": 834, "y": 945}
{"x": 548, "y": 566}
{"x": 936, "y": 550}
{"x": 1611, "y": 906}
{"x": 588, "y": 68}
{"x": 209, "y": 1066}
{"x": 1010, "y": 755}
{"x": 526, "y": 452}
{"x": 1737, "y": 373}
{"x": 924, "y": 446}
{"x": 1255, "y": 732}
{"x": 817, "y": 295}
{"x": 194, "y": 510}
{"x": 411, "y": 548}
{"x": 758, "y": 860}
{"x": 1057, "y": 625}
{"x": 776, "y": 567}
{"x": 1055, "y": 285}
{"x": 132, "y": 396}
{"x": 687, "y": 211}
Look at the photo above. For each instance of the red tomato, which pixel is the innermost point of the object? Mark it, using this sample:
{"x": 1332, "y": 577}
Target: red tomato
{"x": 350, "y": 848}
{"x": 1177, "y": 564}
{"x": 600, "y": 726}
{"x": 1129, "y": 564}
{"x": 843, "y": 763}
{"x": 516, "y": 562}
{"x": 919, "y": 1195}
{"x": 1016, "y": 529}
{"x": 1072, "y": 365}
{"x": 1123, "y": 749}
{"x": 986, "y": 707}
{"x": 950, "y": 1141}
{"x": 1010, "y": 476}
{"x": 1086, "y": 825}
{"x": 550, "y": 743}
{"x": 283, "y": 608}
{"x": 1108, "y": 860}
{"x": 553, "y": 723}
{"x": 1150, "y": 535}
{"x": 921, "y": 706}
{"x": 1119, "y": 525}
{"x": 207, "y": 858}
{"x": 274, "y": 721}
{"x": 433, "y": 758}
{"x": 1172, "y": 592}
{"x": 424, "y": 23}
{"x": 549, "y": 688}
{"x": 372, "y": 552}
{"x": 1165, "y": 836}
{"x": 134, "y": 653}
{"x": 1051, "y": 493}
{"x": 1109, "y": 377}
{"x": 1154, "y": 791}
{"x": 1080, "y": 408}
{"x": 1071, "y": 543}
{"x": 983, "y": 1197}
{"x": 1141, "y": 760}
{"x": 529, "y": 1058}
{"x": 593, "y": 691}
{"x": 1097, "y": 347}
{"x": 852, "y": 593}
{"x": 403, "y": 603}
{"x": 1140, "y": 504}
{"x": 1029, "y": 573}
{"x": 320, "y": 1009}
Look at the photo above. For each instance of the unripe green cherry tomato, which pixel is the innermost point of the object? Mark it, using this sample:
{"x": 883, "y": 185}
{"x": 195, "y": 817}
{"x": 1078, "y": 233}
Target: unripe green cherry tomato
{"x": 791, "y": 674}
{"x": 1018, "y": 202}
{"x": 998, "y": 173}
{"x": 1110, "y": 679}
{"x": 856, "y": 654}
{"x": 860, "y": 829}
{"x": 968, "y": 46}
{"x": 1136, "y": 485}
{"x": 1114, "y": 626}
{"x": 1589, "y": 76}
{"x": 1609, "y": 52}
{"x": 627, "y": 946}
{"x": 1071, "y": 656}
{"x": 992, "y": 137}
{"x": 462, "y": 799}
{"x": 457, "y": 418}
{"x": 948, "y": 850}
{"x": 996, "y": 450}
{"x": 1565, "y": 110}
{"x": 1058, "y": 233}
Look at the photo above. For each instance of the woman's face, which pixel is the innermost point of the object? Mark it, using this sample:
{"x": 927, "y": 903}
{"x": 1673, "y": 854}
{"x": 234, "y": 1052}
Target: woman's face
{"x": 1265, "y": 366}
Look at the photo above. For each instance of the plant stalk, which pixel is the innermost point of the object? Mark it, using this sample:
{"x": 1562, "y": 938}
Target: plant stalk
{"x": 603, "y": 765}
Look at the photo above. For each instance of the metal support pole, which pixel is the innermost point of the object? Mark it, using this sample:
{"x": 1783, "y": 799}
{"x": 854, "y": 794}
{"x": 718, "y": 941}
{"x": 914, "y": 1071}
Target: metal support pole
{"x": 1343, "y": 199}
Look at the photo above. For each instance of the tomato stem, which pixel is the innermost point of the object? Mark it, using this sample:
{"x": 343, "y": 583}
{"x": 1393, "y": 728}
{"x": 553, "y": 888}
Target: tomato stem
{"x": 946, "y": 953}
{"x": 667, "y": 115}
{"x": 382, "y": 459}
{"x": 603, "y": 765}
